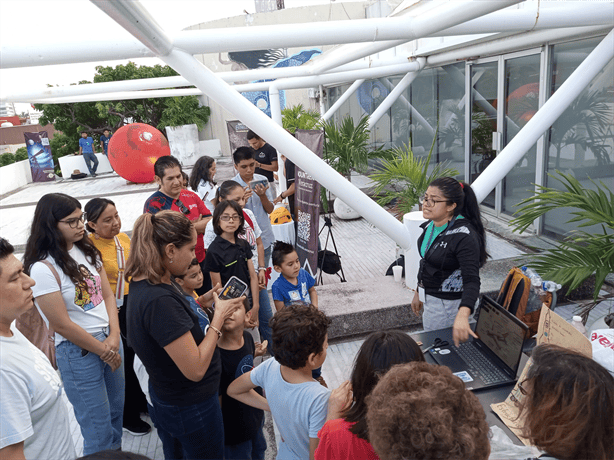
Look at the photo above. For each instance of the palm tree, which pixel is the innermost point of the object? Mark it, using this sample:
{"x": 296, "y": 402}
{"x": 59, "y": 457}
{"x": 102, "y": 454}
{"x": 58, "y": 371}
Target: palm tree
{"x": 581, "y": 254}
{"x": 405, "y": 178}
{"x": 297, "y": 117}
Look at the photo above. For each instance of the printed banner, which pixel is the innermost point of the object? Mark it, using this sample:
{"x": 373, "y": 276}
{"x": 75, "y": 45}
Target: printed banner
{"x": 307, "y": 204}
{"x": 39, "y": 154}
{"x": 237, "y": 135}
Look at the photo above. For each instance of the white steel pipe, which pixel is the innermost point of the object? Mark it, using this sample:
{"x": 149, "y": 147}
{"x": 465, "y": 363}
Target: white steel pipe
{"x": 556, "y": 15}
{"x": 392, "y": 97}
{"x": 545, "y": 117}
{"x": 441, "y": 17}
{"x": 537, "y": 16}
{"x": 142, "y": 25}
{"x": 344, "y": 97}
{"x": 54, "y": 92}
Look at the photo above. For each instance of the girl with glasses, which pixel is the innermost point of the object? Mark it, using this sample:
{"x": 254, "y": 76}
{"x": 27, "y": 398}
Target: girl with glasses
{"x": 74, "y": 295}
{"x": 231, "y": 255}
{"x": 453, "y": 248}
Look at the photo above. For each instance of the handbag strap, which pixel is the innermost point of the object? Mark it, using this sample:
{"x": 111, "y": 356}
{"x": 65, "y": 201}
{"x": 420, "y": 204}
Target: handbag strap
{"x": 53, "y": 271}
{"x": 121, "y": 267}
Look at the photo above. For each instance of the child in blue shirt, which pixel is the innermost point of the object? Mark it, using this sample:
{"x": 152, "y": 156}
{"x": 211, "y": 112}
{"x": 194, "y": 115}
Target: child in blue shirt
{"x": 294, "y": 284}
{"x": 189, "y": 282}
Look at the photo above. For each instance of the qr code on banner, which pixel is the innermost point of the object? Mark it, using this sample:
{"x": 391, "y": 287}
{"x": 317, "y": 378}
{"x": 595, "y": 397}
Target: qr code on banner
{"x": 304, "y": 225}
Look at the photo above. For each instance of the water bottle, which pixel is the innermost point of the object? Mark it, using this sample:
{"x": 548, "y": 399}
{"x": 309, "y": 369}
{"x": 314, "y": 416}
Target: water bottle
{"x": 550, "y": 286}
{"x": 576, "y": 322}
{"x": 536, "y": 280}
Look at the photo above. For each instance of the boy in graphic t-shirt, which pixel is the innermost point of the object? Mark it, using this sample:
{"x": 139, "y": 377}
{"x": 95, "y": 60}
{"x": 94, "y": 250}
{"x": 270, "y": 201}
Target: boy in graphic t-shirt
{"x": 294, "y": 284}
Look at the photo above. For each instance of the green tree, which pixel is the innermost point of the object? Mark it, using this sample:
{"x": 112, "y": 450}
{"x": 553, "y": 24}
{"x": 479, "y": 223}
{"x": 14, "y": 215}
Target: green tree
{"x": 62, "y": 145}
{"x": 7, "y": 159}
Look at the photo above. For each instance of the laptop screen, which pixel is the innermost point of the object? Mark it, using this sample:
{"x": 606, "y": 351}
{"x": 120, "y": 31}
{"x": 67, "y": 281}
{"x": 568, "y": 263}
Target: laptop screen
{"x": 500, "y": 331}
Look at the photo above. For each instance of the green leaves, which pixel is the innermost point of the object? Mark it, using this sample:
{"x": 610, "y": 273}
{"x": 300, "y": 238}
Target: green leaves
{"x": 184, "y": 111}
{"x": 581, "y": 254}
{"x": 297, "y": 117}
{"x": 405, "y": 177}
{"x": 347, "y": 146}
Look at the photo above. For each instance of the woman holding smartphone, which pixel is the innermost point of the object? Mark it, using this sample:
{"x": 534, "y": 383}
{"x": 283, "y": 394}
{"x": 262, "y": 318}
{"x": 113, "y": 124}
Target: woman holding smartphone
{"x": 181, "y": 359}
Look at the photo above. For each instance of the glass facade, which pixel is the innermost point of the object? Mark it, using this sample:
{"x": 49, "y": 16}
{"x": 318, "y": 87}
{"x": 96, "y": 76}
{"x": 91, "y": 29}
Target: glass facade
{"x": 505, "y": 92}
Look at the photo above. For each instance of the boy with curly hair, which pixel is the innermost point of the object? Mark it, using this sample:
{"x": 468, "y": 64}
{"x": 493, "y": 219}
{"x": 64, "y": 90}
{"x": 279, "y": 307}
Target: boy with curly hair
{"x": 297, "y": 402}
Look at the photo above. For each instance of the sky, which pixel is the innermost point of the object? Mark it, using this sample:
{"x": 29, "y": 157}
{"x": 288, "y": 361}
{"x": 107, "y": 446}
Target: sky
{"x": 28, "y": 22}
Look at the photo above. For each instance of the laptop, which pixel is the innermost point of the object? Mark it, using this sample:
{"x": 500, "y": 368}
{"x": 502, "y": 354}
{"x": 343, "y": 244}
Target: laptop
{"x": 494, "y": 358}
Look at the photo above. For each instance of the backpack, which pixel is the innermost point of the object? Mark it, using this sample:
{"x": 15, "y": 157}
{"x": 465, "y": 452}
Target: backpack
{"x": 33, "y": 327}
{"x": 516, "y": 297}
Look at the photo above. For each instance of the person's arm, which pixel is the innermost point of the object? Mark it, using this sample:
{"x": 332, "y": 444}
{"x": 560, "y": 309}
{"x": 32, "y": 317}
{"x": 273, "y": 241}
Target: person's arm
{"x": 313, "y": 295}
{"x": 215, "y": 279}
{"x": 113, "y": 340}
{"x": 101, "y": 145}
{"x": 340, "y": 399}
{"x": 279, "y": 304}
{"x": 13, "y": 452}
{"x": 272, "y": 167}
{"x": 193, "y": 360}
{"x": 93, "y": 146}
{"x": 283, "y": 195}
{"x": 264, "y": 199}
{"x": 261, "y": 272}
{"x": 80, "y": 150}
{"x": 313, "y": 445}
{"x": 54, "y": 309}
{"x": 242, "y": 389}
{"x": 467, "y": 253}
{"x": 201, "y": 225}
{"x": 253, "y": 285}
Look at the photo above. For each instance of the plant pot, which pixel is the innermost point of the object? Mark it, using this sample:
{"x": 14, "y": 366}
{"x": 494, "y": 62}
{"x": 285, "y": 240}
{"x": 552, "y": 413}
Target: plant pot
{"x": 582, "y": 292}
{"x": 343, "y": 211}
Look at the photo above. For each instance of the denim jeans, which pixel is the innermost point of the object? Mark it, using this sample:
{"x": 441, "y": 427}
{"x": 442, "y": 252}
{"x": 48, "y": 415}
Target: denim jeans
{"x": 96, "y": 393}
{"x": 198, "y": 428}
{"x": 253, "y": 449}
{"x": 265, "y": 313}
{"x": 90, "y": 157}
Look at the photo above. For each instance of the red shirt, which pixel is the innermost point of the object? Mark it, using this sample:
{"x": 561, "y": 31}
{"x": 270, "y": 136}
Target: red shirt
{"x": 337, "y": 442}
{"x": 195, "y": 209}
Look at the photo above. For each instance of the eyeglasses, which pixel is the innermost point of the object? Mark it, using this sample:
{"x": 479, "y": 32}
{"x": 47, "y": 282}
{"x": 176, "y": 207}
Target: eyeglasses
{"x": 522, "y": 389}
{"x": 423, "y": 200}
{"x": 227, "y": 218}
{"x": 182, "y": 207}
{"x": 74, "y": 223}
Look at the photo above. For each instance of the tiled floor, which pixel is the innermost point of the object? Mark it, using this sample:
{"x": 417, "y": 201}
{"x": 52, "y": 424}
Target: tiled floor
{"x": 365, "y": 253}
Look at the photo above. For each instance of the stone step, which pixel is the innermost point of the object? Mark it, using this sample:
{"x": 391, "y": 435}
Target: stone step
{"x": 360, "y": 307}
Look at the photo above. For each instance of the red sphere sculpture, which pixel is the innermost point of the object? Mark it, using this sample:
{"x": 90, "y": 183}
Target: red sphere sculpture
{"x": 134, "y": 149}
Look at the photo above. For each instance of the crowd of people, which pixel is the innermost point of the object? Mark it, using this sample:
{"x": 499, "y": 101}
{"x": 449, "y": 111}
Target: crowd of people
{"x": 138, "y": 326}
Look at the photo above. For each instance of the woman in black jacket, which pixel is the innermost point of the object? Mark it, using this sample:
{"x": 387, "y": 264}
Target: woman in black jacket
{"x": 453, "y": 248}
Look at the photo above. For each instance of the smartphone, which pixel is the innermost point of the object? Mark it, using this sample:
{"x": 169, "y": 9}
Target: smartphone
{"x": 234, "y": 288}
{"x": 254, "y": 183}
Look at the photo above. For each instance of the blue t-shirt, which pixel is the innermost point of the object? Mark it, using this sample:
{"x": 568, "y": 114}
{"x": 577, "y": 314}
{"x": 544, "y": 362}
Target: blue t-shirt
{"x": 203, "y": 319}
{"x": 299, "y": 409}
{"x": 287, "y": 292}
{"x": 86, "y": 144}
{"x": 105, "y": 141}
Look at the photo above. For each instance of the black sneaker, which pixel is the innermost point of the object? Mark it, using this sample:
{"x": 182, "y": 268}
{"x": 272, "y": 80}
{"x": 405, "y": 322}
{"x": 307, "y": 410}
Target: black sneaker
{"x": 138, "y": 428}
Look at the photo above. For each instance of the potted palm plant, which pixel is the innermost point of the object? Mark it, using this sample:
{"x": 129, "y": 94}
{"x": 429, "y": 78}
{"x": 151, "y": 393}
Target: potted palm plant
{"x": 347, "y": 149}
{"x": 404, "y": 177}
{"x": 581, "y": 254}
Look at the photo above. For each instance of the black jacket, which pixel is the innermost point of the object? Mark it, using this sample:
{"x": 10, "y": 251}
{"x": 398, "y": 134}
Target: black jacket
{"x": 451, "y": 266}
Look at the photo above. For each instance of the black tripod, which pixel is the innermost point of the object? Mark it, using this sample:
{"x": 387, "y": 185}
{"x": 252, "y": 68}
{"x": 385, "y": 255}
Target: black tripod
{"x": 325, "y": 253}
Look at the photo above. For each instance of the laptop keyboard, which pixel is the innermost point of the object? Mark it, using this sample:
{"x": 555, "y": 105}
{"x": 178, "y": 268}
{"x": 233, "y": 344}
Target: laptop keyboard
{"x": 489, "y": 373}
